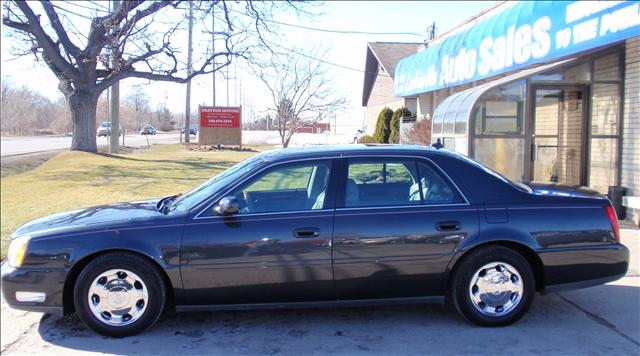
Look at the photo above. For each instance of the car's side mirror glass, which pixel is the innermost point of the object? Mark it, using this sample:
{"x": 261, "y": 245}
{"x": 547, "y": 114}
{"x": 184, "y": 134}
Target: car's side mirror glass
{"x": 227, "y": 206}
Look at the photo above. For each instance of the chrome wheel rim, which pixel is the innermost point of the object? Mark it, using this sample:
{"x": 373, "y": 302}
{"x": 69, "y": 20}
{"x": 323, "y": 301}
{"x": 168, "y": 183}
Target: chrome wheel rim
{"x": 496, "y": 289}
{"x": 118, "y": 297}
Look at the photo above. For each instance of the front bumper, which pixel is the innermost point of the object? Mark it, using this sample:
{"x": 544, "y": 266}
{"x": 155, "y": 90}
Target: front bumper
{"x": 581, "y": 267}
{"x": 34, "y": 281}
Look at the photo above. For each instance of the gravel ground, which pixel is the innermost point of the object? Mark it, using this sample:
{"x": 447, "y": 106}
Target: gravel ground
{"x": 598, "y": 320}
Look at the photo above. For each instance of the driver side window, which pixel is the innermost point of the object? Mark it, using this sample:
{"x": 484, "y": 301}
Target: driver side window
{"x": 287, "y": 187}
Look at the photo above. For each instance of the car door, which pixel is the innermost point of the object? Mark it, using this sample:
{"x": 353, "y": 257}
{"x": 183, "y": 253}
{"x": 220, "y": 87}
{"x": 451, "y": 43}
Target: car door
{"x": 276, "y": 249}
{"x": 397, "y": 223}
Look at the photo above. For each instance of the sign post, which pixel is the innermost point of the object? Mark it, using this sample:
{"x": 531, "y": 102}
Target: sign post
{"x": 220, "y": 125}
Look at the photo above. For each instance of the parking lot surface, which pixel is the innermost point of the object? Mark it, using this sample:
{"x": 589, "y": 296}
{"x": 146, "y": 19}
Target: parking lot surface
{"x": 598, "y": 320}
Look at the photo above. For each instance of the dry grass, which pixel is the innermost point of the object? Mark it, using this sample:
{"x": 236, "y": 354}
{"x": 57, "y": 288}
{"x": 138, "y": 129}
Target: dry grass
{"x": 74, "y": 180}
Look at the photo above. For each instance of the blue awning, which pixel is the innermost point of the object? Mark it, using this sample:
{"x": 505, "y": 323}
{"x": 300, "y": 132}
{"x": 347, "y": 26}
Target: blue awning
{"x": 518, "y": 36}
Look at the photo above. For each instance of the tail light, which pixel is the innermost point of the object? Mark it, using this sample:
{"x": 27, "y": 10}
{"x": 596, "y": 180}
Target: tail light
{"x": 614, "y": 221}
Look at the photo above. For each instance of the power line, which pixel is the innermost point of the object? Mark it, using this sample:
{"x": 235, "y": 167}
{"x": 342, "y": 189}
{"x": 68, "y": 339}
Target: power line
{"x": 77, "y": 3}
{"x": 96, "y": 3}
{"x": 345, "y": 32}
{"x": 329, "y": 63}
{"x": 78, "y": 32}
{"x": 71, "y": 12}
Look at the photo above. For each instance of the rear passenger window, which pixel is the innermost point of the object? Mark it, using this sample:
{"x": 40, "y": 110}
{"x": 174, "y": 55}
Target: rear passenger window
{"x": 435, "y": 188}
{"x": 379, "y": 182}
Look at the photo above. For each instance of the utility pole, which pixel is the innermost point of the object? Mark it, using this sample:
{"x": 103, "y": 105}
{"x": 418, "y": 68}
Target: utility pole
{"x": 235, "y": 84}
{"x": 187, "y": 113}
{"x": 115, "y": 103}
{"x": 213, "y": 48}
{"x": 227, "y": 80}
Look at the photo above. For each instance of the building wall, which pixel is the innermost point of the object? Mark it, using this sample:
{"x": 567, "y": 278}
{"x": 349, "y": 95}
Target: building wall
{"x": 424, "y": 106}
{"x": 381, "y": 95}
{"x": 630, "y": 174}
{"x": 374, "y": 111}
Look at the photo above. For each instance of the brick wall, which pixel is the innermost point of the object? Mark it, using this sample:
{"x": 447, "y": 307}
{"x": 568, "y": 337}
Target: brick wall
{"x": 630, "y": 174}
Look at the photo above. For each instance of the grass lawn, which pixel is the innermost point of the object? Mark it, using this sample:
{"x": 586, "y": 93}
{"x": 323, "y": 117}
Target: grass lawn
{"x": 74, "y": 180}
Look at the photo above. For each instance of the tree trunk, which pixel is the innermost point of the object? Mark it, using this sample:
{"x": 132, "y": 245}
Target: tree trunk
{"x": 286, "y": 140}
{"x": 83, "y": 116}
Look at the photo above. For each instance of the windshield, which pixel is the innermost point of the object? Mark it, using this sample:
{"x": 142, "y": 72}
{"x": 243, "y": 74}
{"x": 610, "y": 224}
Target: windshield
{"x": 207, "y": 189}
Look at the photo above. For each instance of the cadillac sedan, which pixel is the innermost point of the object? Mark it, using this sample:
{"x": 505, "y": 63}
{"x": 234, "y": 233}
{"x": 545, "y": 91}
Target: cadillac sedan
{"x": 316, "y": 227}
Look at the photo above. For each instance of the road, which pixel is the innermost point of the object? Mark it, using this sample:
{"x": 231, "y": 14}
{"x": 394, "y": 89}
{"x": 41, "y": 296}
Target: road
{"x": 31, "y": 144}
{"x": 598, "y": 320}
{"x": 16, "y": 145}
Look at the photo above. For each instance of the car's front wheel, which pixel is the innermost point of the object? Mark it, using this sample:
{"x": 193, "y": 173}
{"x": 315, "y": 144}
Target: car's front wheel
{"x": 493, "y": 286}
{"x": 119, "y": 294}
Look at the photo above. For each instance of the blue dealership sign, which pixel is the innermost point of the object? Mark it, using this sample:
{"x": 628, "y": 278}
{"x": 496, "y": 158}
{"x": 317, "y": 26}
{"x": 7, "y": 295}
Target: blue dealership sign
{"x": 522, "y": 34}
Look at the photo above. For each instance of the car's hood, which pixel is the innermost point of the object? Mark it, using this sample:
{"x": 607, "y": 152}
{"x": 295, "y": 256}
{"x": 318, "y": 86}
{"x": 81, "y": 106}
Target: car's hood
{"x": 113, "y": 215}
{"x": 558, "y": 189}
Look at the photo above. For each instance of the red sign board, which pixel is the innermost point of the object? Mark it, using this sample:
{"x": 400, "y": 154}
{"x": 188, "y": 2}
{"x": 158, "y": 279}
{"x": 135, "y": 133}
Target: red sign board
{"x": 220, "y": 116}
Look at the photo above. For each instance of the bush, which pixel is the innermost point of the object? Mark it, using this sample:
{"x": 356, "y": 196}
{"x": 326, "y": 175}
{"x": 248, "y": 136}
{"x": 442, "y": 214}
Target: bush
{"x": 396, "y": 119}
{"x": 383, "y": 126}
{"x": 420, "y": 133}
{"x": 367, "y": 139}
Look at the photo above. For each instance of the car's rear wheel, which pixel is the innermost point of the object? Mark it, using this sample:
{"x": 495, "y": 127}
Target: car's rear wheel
{"x": 493, "y": 286}
{"x": 119, "y": 294}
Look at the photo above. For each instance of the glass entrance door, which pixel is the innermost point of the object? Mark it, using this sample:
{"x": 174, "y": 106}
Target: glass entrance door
{"x": 558, "y": 137}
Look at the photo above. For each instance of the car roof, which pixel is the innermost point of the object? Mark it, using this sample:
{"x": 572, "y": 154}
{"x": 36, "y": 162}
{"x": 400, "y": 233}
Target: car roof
{"x": 354, "y": 150}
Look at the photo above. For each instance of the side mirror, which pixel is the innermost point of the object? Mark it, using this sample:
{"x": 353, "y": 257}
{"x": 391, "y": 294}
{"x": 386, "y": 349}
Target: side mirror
{"x": 227, "y": 206}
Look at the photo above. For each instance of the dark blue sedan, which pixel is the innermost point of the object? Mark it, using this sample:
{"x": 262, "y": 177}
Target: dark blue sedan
{"x": 326, "y": 226}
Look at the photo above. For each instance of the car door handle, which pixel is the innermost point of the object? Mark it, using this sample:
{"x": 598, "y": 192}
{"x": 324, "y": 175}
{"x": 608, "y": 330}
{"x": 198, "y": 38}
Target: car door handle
{"x": 448, "y": 226}
{"x": 306, "y": 232}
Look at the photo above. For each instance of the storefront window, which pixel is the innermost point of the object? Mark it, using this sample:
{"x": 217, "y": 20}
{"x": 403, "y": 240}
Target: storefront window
{"x": 548, "y": 76}
{"x": 577, "y": 73}
{"x": 605, "y": 109}
{"x": 602, "y": 170}
{"x": 607, "y": 67}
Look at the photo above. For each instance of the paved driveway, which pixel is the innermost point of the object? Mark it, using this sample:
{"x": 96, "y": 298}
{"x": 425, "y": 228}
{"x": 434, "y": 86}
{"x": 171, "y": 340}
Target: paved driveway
{"x": 598, "y": 320}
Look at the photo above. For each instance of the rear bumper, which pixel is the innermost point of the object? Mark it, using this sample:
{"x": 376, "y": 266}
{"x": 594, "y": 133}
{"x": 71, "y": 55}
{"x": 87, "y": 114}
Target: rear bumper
{"x": 49, "y": 282}
{"x": 581, "y": 267}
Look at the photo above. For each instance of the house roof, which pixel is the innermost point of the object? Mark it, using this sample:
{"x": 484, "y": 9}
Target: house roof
{"x": 385, "y": 55}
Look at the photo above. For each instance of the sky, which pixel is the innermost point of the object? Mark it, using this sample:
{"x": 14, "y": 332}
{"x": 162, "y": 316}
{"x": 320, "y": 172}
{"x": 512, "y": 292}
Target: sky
{"x": 348, "y": 50}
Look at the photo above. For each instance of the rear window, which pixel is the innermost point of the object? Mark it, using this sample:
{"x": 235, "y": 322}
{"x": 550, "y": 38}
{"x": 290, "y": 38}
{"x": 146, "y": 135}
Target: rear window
{"x": 381, "y": 182}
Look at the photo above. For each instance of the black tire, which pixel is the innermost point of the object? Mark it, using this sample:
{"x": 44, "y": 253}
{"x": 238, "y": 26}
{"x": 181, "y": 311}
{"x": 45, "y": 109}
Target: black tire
{"x": 149, "y": 274}
{"x": 474, "y": 261}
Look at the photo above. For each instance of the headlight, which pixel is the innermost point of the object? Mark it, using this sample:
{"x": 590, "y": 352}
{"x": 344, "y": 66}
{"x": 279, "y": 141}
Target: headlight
{"x": 17, "y": 250}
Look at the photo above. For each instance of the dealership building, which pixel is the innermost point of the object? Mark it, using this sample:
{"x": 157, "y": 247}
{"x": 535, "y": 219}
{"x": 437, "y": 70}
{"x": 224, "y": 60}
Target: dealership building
{"x": 537, "y": 90}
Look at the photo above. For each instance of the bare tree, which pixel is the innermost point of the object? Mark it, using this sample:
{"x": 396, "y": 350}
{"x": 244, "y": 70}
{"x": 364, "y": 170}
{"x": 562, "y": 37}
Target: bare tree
{"x": 136, "y": 40}
{"x": 419, "y": 133}
{"x": 26, "y": 112}
{"x": 139, "y": 100}
{"x": 301, "y": 91}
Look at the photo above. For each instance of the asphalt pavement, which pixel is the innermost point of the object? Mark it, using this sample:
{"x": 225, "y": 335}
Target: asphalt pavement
{"x": 17, "y": 145}
{"x": 593, "y": 321}
{"x": 14, "y": 145}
